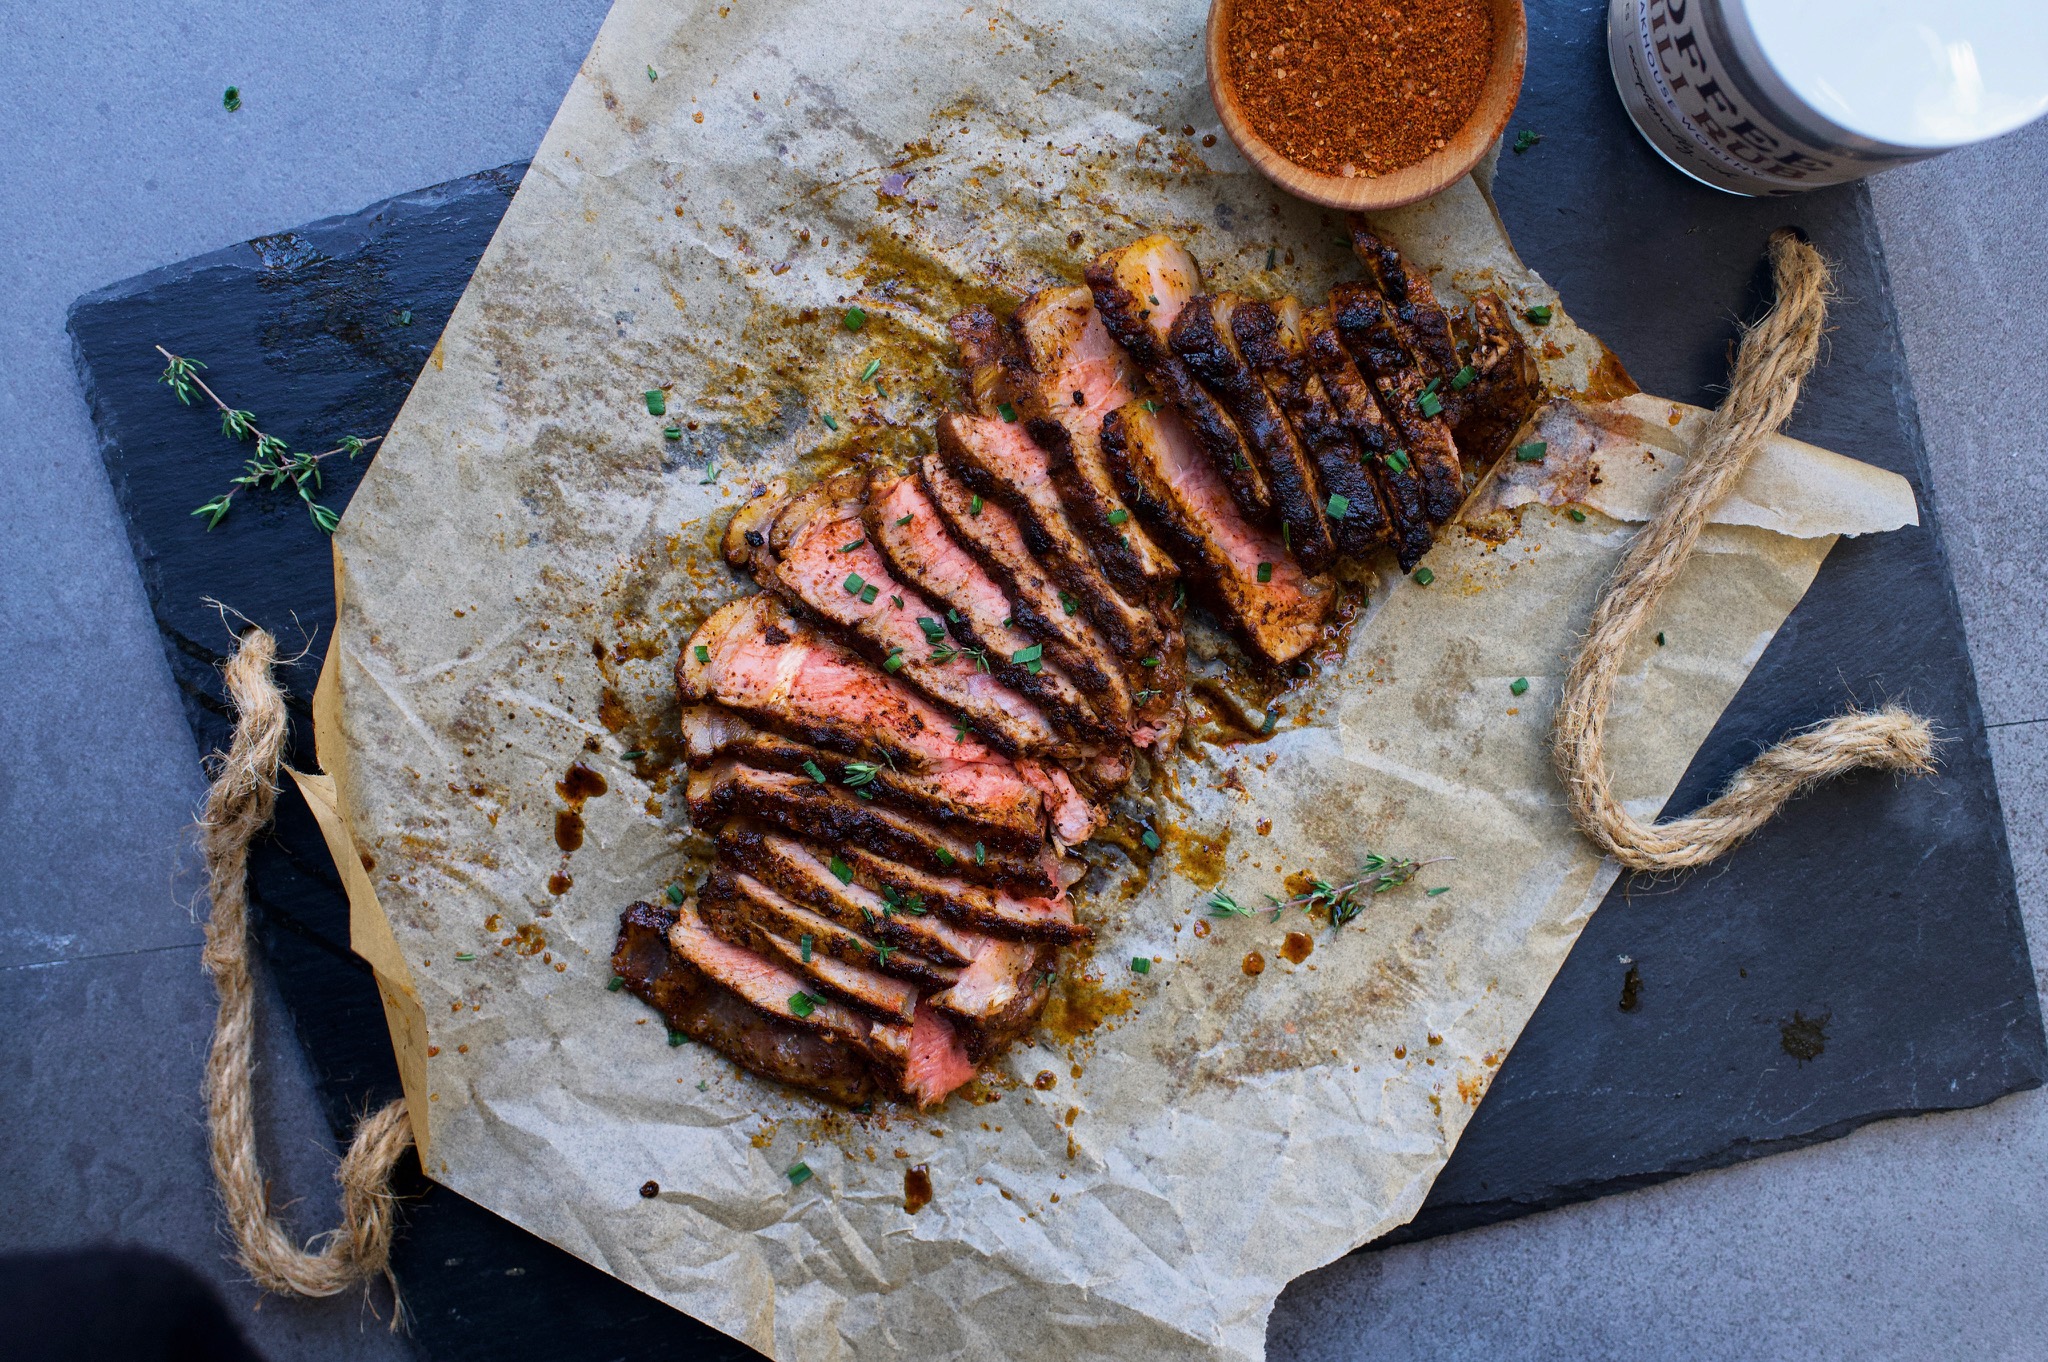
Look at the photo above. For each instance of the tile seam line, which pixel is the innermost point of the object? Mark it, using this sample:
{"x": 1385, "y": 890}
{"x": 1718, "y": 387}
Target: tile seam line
{"x": 101, "y": 955}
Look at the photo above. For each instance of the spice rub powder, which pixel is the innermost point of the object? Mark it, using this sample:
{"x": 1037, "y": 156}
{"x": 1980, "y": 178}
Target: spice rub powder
{"x": 1358, "y": 87}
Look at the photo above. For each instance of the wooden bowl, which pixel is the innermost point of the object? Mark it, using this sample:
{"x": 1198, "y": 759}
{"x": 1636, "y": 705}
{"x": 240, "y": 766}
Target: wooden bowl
{"x": 1427, "y": 176}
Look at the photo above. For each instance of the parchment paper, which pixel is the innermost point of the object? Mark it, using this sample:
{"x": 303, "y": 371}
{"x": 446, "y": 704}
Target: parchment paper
{"x": 521, "y": 563}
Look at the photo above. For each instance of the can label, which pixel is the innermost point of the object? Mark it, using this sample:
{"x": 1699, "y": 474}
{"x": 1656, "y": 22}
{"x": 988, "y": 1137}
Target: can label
{"x": 1684, "y": 82}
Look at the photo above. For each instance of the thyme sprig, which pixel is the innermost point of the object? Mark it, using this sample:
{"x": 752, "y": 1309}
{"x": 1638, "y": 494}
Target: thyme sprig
{"x": 273, "y": 463}
{"x": 1341, "y": 902}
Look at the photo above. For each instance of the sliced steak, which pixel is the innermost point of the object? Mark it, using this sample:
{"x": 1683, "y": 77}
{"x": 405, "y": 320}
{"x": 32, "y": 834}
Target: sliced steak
{"x": 694, "y": 1004}
{"x": 999, "y": 462}
{"x": 822, "y": 559}
{"x": 1249, "y": 577}
{"x": 1369, "y": 330}
{"x": 742, "y": 908}
{"x": 1424, "y": 322}
{"x": 936, "y": 1061}
{"x": 1356, "y": 406}
{"x": 763, "y": 983}
{"x": 1042, "y": 608}
{"x": 1503, "y": 388}
{"x": 809, "y": 877}
{"x": 1269, "y": 335}
{"x": 1000, "y": 995}
{"x": 902, "y": 522}
{"x": 1026, "y": 916}
{"x": 1072, "y": 375}
{"x": 1204, "y": 336}
{"x": 1140, "y": 290}
{"x": 831, "y": 815}
{"x": 990, "y": 800}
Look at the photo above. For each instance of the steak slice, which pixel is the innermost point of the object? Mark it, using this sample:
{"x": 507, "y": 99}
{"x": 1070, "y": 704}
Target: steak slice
{"x": 762, "y": 983}
{"x": 1139, "y": 290}
{"x": 807, "y": 877}
{"x": 936, "y": 1060}
{"x": 1000, "y": 462}
{"x": 694, "y": 1004}
{"x": 976, "y": 906}
{"x": 1392, "y": 470}
{"x": 1423, "y": 321}
{"x": 1269, "y": 334}
{"x": 902, "y": 522}
{"x": 1000, "y": 995}
{"x": 1072, "y": 375}
{"x": 1204, "y": 335}
{"x": 742, "y": 910}
{"x": 1505, "y": 385}
{"x": 821, "y": 559}
{"x": 990, "y": 800}
{"x": 1251, "y": 580}
{"x": 834, "y": 816}
{"x": 1045, "y": 610}
{"x": 1369, "y": 330}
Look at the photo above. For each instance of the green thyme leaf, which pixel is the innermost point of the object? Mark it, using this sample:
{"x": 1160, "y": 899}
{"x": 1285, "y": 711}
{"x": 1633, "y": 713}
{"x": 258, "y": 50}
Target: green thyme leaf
{"x": 465, "y": 956}
{"x": 1526, "y": 139}
{"x": 1223, "y": 905}
{"x": 980, "y": 854}
{"x": 815, "y": 771}
{"x": 615, "y": 985}
{"x": 672, "y": 431}
{"x": 894, "y": 661}
{"x": 849, "y": 548}
{"x": 841, "y": 871}
{"x": 874, "y": 367}
{"x": 1576, "y": 514}
{"x": 676, "y": 1038}
{"x": 947, "y": 858}
{"x": 831, "y": 423}
{"x": 858, "y": 773}
{"x": 974, "y": 504}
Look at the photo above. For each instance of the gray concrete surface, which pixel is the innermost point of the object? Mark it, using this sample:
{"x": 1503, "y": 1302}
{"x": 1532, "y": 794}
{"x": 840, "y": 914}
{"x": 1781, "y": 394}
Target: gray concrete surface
{"x": 1910, "y": 1239}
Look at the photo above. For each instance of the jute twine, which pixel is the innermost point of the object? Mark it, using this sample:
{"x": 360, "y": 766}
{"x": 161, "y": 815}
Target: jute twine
{"x": 1775, "y": 356}
{"x": 238, "y": 806}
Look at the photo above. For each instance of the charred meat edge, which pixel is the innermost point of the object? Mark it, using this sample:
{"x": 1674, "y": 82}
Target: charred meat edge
{"x": 694, "y": 1004}
{"x": 1139, "y": 311}
{"x": 1507, "y": 385}
{"x": 915, "y": 553}
{"x": 966, "y": 447}
{"x": 1270, "y": 337}
{"x": 977, "y": 907}
{"x": 837, "y": 817}
{"x": 1204, "y": 336}
{"x": 713, "y": 731}
{"x": 1369, "y": 331}
{"x": 740, "y": 909}
{"x": 1279, "y": 618}
{"x": 1393, "y": 471}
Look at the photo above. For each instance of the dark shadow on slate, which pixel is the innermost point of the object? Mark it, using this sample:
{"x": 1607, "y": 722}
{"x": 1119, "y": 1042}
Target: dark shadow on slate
{"x": 305, "y": 330}
{"x": 1886, "y": 907}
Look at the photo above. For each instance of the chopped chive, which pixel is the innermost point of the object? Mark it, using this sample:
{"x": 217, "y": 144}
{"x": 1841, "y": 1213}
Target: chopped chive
{"x": 1423, "y": 576}
{"x": 830, "y": 422}
{"x": 1140, "y": 965}
{"x": 1539, "y": 314}
{"x": 1339, "y": 506}
{"x": 815, "y": 771}
{"x": 617, "y": 982}
{"x": 231, "y": 98}
{"x": 849, "y": 548}
{"x": 657, "y": 402}
{"x": 896, "y": 601}
{"x": 676, "y": 1038}
{"x": 1429, "y": 388}
{"x": 1519, "y": 686}
{"x": 1272, "y": 255}
{"x": 1119, "y": 516}
{"x": 672, "y": 431}
{"x": 980, "y": 854}
{"x": 1150, "y": 839}
{"x": 874, "y": 367}
{"x": 1272, "y": 718}
{"x": 405, "y": 319}
{"x": 803, "y": 945}
{"x": 465, "y": 956}
{"x": 901, "y": 521}
{"x": 1180, "y": 595}
{"x": 1068, "y": 603}
{"x": 799, "y": 1174}
{"x": 1287, "y": 536}
{"x": 1430, "y": 405}
{"x": 1576, "y": 514}
{"x": 1149, "y": 405}
{"x": 853, "y": 583}
{"x": 651, "y": 74}
{"x": 1532, "y": 452}
{"x": 854, "y": 319}
{"x": 803, "y": 1004}
{"x": 1265, "y": 572}
{"x": 1006, "y": 411}
{"x": 953, "y": 615}
{"x": 1526, "y": 139}
{"x": 710, "y": 474}
{"x": 841, "y": 871}
{"x": 1031, "y": 654}
{"x": 703, "y": 653}
{"x": 1440, "y": 889}
{"x": 974, "y": 505}
{"x": 1398, "y": 460}
{"x": 675, "y": 893}
{"x": 893, "y": 662}
{"x": 1148, "y": 661}
{"x": 947, "y": 858}
{"x": 1463, "y": 379}
{"x": 1660, "y": 638}
{"x": 868, "y": 593}
{"x": 934, "y": 632}
{"x": 633, "y": 755}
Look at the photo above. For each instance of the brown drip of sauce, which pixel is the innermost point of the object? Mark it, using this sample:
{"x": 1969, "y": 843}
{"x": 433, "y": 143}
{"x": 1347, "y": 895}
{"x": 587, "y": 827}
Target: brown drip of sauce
{"x": 1296, "y": 947}
{"x": 917, "y": 1188}
{"x": 577, "y": 785}
{"x": 1254, "y": 963}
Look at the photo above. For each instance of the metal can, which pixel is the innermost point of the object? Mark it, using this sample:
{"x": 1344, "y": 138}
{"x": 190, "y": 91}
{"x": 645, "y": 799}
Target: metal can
{"x": 1763, "y": 97}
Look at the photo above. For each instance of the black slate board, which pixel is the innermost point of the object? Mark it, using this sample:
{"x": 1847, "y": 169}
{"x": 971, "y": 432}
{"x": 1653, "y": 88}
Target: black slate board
{"x": 1923, "y": 979}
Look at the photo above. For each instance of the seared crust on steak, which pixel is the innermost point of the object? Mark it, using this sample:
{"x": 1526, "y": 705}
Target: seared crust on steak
{"x": 746, "y": 912}
{"x": 1506, "y": 384}
{"x": 1369, "y": 330}
{"x": 1392, "y": 469}
{"x": 1140, "y": 290}
{"x": 1203, "y": 335}
{"x": 1269, "y": 334}
{"x": 974, "y": 906}
{"x": 1422, "y": 319}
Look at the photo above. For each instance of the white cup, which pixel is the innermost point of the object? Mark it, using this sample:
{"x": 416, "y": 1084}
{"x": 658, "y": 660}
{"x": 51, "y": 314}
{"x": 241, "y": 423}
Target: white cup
{"x": 1777, "y": 96}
